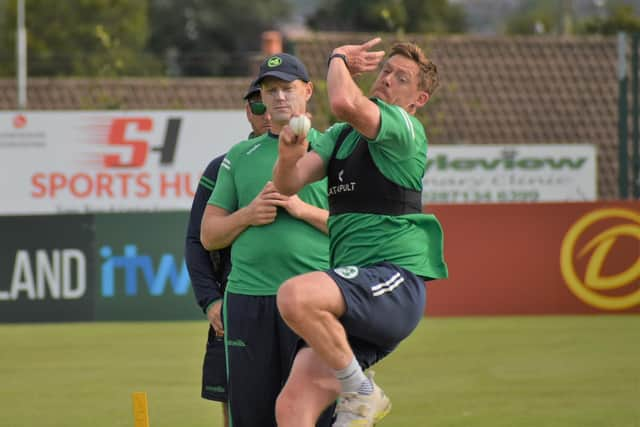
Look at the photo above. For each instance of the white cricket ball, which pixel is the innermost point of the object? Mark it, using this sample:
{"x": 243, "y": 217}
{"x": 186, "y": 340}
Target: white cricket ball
{"x": 300, "y": 125}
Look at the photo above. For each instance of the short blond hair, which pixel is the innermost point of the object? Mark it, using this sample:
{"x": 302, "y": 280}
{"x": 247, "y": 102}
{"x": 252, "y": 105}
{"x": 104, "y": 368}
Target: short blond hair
{"x": 428, "y": 74}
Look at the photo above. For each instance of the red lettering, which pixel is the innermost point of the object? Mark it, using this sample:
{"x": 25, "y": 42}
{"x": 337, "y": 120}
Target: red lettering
{"x": 104, "y": 183}
{"x": 57, "y": 181}
{"x": 36, "y": 181}
{"x": 74, "y": 184}
{"x": 188, "y": 187}
{"x": 125, "y": 185}
{"x": 138, "y": 147}
{"x": 166, "y": 183}
{"x": 124, "y": 178}
{"x": 142, "y": 181}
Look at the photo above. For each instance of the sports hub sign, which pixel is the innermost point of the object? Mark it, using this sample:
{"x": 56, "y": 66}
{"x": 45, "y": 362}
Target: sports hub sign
{"x": 81, "y": 162}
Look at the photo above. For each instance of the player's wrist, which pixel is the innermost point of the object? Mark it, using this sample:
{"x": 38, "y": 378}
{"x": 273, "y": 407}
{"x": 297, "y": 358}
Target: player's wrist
{"x": 288, "y": 157}
{"x": 339, "y": 50}
{"x": 211, "y": 304}
{"x": 245, "y": 216}
{"x": 336, "y": 55}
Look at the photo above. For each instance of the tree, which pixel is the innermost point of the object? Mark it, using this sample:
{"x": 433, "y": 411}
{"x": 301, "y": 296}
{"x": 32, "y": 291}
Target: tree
{"x": 435, "y": 17}
{"x": 620, "y": 18}
{"x": 413, "y": 16}
{"x": 550, "y": 16}
{"x": 80, "y": 37}
{"x": 204, "y": 38}
{"x": 535, "y": 17}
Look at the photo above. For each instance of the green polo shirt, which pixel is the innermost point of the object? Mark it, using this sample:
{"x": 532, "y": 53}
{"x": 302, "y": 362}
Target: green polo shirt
{"x": 263, "y": 257}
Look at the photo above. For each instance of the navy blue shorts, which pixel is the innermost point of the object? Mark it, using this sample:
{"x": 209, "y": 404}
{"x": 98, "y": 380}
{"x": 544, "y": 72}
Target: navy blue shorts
{"x": 384, "y": 305}
{"x": 214, "y": 369}
{"x": 260, "y": 350}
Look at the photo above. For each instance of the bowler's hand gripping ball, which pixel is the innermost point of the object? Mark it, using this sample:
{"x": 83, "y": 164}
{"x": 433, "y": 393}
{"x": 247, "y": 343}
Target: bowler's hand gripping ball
{"x": 300, "y": 125}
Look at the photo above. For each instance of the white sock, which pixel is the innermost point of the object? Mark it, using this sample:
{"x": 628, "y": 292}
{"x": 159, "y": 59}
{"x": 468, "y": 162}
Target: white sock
{"x": 353, "y": 380}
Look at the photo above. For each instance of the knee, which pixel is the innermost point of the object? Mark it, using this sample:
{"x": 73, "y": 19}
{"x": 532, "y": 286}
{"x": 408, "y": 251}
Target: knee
{"x": 285, "y": 409}
{"x": 291, "y": 300}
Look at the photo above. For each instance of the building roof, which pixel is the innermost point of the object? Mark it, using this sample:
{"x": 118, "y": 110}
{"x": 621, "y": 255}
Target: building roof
{"x": 127, "y": 93}
{"x": 493, "y": 90}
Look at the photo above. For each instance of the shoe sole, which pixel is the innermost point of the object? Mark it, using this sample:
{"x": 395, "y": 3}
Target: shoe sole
{"x": 382, "y": 414}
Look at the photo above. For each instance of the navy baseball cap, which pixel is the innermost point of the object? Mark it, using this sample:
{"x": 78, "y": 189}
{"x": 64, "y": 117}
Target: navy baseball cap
{"x": 254, "y": 88}
{"x": 284, "y": 67}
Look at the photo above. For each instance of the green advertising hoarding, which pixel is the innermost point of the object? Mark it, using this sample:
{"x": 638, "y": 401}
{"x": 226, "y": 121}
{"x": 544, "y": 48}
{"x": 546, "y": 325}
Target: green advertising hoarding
{"x": 120, "y": 266}
{"x": 140, "y": 267}
{"x": 47, "y": 268}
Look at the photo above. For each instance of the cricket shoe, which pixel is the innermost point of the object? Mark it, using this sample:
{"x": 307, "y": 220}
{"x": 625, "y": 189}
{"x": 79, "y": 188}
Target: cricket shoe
{"x": 362, "y": 410}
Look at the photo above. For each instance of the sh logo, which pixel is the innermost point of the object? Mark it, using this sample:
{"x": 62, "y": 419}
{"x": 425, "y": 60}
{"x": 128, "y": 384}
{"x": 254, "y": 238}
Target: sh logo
{"x": 139, "y": 148}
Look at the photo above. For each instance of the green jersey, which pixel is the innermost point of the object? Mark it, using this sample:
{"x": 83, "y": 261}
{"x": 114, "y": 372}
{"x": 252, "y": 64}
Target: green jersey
{"x": 263, "y": 257}
{"x": 411, "y": 241}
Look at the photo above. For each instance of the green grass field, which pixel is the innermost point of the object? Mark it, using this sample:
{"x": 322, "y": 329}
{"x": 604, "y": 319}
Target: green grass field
{"x": 581, "y": 371}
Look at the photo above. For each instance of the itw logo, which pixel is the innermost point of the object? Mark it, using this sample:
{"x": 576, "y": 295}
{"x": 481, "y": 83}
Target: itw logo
{"x": 131, "y": 264}
{"x": 508, "y": 161}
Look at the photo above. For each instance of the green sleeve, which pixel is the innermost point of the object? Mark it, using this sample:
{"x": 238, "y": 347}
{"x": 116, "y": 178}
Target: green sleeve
{"x": 400, "y": 133}
{"x": 224, "y": 194}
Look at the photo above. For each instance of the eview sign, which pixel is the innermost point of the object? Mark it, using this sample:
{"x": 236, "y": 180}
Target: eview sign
{"x": 510, "y": 173}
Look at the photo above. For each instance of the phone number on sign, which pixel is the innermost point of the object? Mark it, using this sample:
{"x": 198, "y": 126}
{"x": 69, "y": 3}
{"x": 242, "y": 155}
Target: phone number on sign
{"x": 480, "y": 196}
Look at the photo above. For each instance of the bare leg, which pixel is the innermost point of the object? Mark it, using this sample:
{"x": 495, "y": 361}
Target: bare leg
{"x": 310, "y": 389}
{"x": 225, "y": 414}
{"x": 311, "y": 305}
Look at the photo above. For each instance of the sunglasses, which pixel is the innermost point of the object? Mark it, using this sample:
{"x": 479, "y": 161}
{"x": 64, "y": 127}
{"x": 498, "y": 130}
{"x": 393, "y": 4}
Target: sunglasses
{"x": 257, "y": 108}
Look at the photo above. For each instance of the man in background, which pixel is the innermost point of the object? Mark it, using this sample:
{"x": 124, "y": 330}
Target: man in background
{"x": 209, "y": 269}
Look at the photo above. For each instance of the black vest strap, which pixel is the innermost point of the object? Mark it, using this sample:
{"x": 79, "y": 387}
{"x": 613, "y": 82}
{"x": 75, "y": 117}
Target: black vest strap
{"x": 357, "y": 186}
